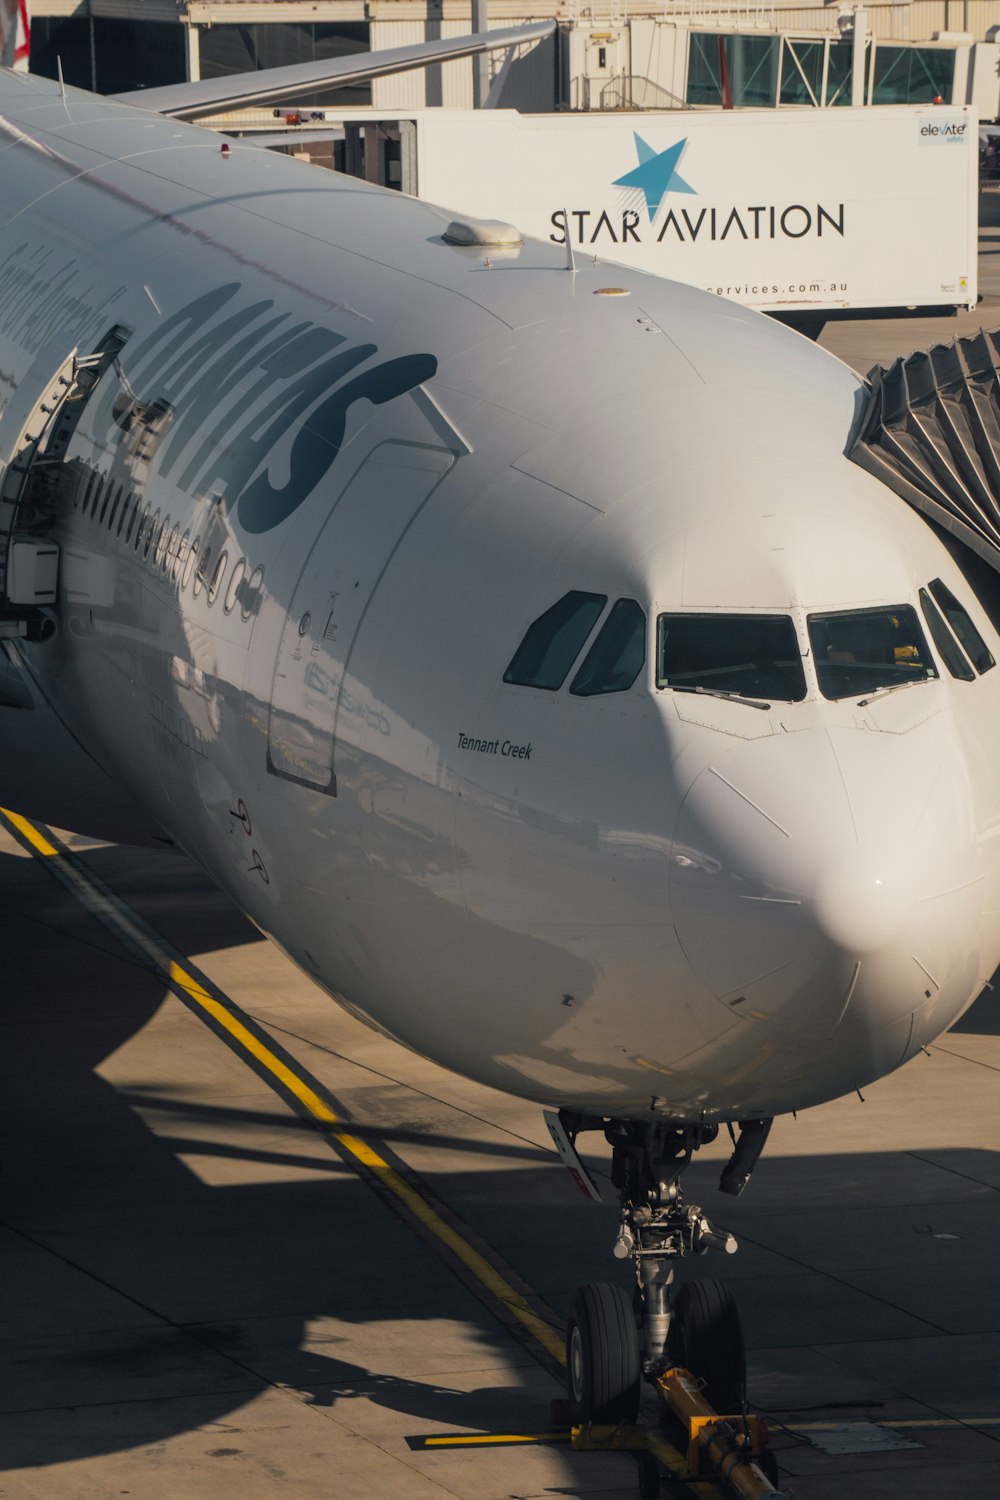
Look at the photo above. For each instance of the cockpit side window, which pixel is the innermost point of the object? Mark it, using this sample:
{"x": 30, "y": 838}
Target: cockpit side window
{"x": 618, "y": 655}
{"x": 749, "y": 656}
{"x": 960, "y": 621}
{"x": 553, "y": 641}
{"x": 947, "y": 646}
{"x": 861, "y": 651}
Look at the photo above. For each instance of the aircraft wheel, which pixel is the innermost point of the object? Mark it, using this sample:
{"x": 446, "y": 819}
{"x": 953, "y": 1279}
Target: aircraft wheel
{"x": 706, "y": 1337}
{"x": 767, "y": 1463}
{"x": 602, "y": 1356}
{"x": 649, "y": 1476}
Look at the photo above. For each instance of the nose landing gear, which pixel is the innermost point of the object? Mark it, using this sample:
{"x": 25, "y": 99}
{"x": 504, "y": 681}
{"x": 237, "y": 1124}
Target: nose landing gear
{"x": 688, "y": 1346}
{"x": 657, "y": 1228}
{"x": 611, "y": 1345}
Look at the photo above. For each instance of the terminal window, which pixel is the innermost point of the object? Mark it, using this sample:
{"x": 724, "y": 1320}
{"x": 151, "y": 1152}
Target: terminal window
{"x": 751, "y": 62}
{"x": 242, "y": 49}
{"x": 912, "y": 75}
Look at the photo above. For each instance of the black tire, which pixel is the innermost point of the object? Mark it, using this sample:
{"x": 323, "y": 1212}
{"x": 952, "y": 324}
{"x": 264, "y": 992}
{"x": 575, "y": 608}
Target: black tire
{"x": 767, "y": 1463}
{"x": 649, "y": 1476}
{"x": 602, "y": 1356}
{"x": 706, "y": 1337}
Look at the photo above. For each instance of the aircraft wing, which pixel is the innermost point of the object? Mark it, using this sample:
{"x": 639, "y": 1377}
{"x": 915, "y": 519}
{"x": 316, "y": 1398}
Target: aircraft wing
{"x": 209, "y": 96}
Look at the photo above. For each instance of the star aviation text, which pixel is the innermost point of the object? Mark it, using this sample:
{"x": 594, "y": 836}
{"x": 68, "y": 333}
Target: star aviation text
{"x": 657, "y": 175}
{"x": 755, "y": 222}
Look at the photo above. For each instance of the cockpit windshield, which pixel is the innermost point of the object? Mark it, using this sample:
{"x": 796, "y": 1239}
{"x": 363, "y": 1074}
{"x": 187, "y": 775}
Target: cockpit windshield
{"x": 748, "y": 656}
{"x": 862, "y": 651}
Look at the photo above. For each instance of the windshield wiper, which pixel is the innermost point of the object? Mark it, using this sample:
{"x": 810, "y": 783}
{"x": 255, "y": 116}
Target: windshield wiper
{"x": 892, "y": 688}
{"x": 718, "y": 693}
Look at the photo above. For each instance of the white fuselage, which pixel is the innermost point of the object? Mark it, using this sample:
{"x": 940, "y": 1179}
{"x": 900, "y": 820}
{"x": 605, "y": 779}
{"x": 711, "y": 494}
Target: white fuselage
{"x": 644, "y": 899}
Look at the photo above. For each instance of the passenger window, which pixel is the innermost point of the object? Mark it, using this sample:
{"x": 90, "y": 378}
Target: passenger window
{"x": 140, "y": 530}
{"x": 233, "y": 591}
{"x": 865, "y": 650}
{"x": 189, "y": 563}
{"x": 201, "y": 572}
{"x": 88, "y": 491}
{"x": 618, "y": 655}
{"x": 149, "y": 533}
{"x": 943, "y": 639}
{"x": 108, "y": 491}
{"x": 747, "y": 656}
{"x": 180, "y": 555}
{"x": 133, "y": 514}
{"x": 252, "y": 593}
{"x": 961, "y": 623}
{"x": 114, "y": 507}
{"x": 554, "y": 640}
{"x": 220, "y": 568}
{"x": 161, "y": 542}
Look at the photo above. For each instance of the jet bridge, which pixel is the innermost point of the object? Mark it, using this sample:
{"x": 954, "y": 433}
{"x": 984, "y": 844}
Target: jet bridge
{"x": 930, "y": 430}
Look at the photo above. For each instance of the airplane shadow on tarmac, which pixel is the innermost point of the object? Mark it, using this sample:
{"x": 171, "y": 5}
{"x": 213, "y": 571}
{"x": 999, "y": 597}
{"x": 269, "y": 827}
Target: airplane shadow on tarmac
{"x": 982, "y": 1018}
{"x": 141, "y": 1302}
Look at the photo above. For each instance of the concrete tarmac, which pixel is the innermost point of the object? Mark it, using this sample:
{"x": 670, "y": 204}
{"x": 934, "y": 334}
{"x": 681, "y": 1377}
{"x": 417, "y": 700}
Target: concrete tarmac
{"x": 870, "y": 341}
{"x": 200, "y": 1298}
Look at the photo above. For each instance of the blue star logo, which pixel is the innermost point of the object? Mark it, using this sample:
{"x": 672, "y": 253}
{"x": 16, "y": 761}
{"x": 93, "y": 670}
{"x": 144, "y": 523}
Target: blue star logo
{"x": 657, "y": 174}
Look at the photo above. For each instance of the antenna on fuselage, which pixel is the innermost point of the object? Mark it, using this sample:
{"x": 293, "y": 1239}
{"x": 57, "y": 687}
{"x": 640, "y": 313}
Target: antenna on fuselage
{"x": 570, "y": 257}
{"x": 62, "y": 84}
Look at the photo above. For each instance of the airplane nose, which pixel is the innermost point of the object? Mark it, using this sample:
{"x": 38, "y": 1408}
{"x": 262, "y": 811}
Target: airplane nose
{"x": 861, "y": 904}
{"x": 828, "y": 880}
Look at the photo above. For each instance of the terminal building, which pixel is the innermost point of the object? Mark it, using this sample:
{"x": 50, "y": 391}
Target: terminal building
{"x": 607, "y": 54}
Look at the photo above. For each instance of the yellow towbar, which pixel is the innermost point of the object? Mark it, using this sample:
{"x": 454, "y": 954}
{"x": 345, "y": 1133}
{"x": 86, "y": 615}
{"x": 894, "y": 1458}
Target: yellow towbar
{"x": 727, "y": 1452}
{"x": 726, "y": 1448}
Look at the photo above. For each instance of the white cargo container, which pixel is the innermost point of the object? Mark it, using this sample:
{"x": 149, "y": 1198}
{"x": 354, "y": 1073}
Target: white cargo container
{"x": 807, "y": 215}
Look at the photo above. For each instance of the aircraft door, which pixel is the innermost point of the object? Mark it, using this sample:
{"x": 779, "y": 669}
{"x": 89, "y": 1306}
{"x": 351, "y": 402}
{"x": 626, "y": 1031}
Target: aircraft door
{"x": 36, "y": 428}
{"x": 602, "y": 68}
{"x": 331, "y": 597}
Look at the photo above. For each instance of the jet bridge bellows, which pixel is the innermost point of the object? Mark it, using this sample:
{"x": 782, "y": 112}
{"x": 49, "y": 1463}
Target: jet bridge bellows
{"x": 930, "y": 430}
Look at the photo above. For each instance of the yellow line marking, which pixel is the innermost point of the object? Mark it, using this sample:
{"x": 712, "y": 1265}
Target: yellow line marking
{"x": 480, "y": 1267}
{"x": 477, "y": 1440}
{"x": 116, "y": 914}
{"x": 180, "y": 978}
{"x": 459, "y": 1440}
{"x": 30, "y": 833}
